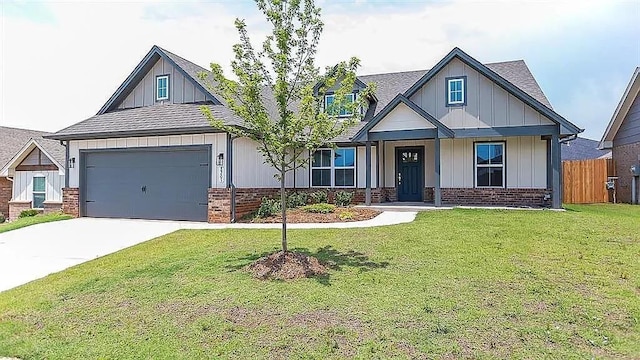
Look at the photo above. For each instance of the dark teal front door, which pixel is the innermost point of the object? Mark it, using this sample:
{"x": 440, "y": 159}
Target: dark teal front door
{"x": 410, "y": 173}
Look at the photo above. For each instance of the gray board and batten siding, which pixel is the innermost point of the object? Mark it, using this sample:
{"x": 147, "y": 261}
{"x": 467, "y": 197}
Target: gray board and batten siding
{"x": 629, "y": 131}
{"x": 162, "y": 183}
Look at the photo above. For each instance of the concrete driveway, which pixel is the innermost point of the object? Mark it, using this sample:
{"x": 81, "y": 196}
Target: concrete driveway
{"x": 36, "y": 251}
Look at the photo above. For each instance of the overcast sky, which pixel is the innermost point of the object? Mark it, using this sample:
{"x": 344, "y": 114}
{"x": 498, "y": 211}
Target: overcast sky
{"x": 60, "y": 61}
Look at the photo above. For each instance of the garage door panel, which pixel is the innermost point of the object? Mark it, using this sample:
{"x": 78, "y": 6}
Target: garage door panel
{"x": 167, "y": 184}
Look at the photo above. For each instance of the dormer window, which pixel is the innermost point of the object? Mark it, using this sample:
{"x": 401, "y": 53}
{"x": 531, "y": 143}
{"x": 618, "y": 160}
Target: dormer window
{"x": 344, "y": 112}
{"x": 456, "y": 91}
{"x": 162, "y": 87}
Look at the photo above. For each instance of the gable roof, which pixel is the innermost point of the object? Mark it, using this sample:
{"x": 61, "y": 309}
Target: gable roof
{"x": 582, "y": 149}
{"x": 188, "y": 69}
{"x": 566, "y": 127}
{"x": 401, "y": 99}
{"x": 12, "y": 140}
{"x": 629, "y": 96}
{"x": 51, "y": 149}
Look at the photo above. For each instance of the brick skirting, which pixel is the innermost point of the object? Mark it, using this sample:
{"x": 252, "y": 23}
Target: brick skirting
{"x": 247, "y": 200}
{"x": 71, "y": 201}
{"x": 16, "y": 207}
{"x": 52, "y": 207}
{"x": 6, "y": 189}
{"x": 495, "y": 197}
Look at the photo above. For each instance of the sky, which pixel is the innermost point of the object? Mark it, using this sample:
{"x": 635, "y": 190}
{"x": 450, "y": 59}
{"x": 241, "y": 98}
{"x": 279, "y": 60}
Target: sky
{"x": 61, "y": 60}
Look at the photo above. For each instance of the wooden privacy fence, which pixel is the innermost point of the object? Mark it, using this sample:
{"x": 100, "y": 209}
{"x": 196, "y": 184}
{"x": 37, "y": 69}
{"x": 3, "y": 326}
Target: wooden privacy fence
{"x": 584, "y": 181}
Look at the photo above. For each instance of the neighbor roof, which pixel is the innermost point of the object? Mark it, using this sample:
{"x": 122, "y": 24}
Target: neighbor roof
{"x": 13, "y": 140}
{"x": 629, "y": 96}
{"x": 582, "y": 149}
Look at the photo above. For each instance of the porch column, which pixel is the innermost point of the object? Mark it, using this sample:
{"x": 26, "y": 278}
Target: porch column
{"x": 368, "y": 172}
{"x": 549, "y": 166}
{"x": 556, "y": 159}
{"x": 437, "y": 193}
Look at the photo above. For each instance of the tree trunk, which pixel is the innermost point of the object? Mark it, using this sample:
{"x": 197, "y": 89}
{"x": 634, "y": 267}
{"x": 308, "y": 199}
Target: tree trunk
{"x": 283, "y": 204}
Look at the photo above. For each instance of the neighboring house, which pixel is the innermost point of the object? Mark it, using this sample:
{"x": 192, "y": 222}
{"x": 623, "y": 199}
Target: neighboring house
{"x": 460, "y": 133}
{"x": 583, "y": 149}
{"x": 31, "y": 172}
{"x": 623, "y": 138}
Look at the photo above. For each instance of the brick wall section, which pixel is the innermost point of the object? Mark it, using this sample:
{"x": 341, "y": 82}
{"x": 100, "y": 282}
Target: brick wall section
{"x": 52, "y": 207}
{"x": 249, "y": 199}
{"x": 16, "y": 207}
{"x": 625, "y": 157}
{"x": 495, "y": 197}
{"x": 71, "y": 201}
{"x": 5, "y": 196}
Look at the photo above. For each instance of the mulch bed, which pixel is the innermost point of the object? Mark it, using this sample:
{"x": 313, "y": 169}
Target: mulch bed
{"x": 299, "y": 216}
{"x": 286, "y": 266}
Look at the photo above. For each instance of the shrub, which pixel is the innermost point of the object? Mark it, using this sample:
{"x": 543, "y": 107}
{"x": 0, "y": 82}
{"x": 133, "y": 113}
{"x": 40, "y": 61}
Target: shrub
{"x": 2, "y": 218}
{"x": 295, "y": 200}
{"x": 320, "y": 197}
{"x": 322, "y": 208}
{"x": 268, "y": 207}
{"x": 28, "y": 213}
{"x": 344, "y": 198}
{"x": 346, "y": 215}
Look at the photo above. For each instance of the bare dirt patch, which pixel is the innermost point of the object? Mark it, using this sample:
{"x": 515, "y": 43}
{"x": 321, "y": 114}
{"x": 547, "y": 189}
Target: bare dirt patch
{"x": 296, "y": 216}
{"x": 286, "y": 266}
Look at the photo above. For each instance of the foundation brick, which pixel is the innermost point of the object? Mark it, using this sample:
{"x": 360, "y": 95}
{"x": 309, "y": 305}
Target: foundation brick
{"x": 625, "y": 157}
{"x": 71, "y": 201}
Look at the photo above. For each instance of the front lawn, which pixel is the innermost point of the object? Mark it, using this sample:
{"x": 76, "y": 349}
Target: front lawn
{"x": 32, "y": 220}
{"x": 452, "y": 284}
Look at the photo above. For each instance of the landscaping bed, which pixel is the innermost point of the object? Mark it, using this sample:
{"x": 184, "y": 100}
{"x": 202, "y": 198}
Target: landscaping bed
{"x": 298, "y": 215}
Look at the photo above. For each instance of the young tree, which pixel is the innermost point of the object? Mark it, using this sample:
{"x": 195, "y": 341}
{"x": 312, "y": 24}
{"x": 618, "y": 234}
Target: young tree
{"x": 278, "y": 91}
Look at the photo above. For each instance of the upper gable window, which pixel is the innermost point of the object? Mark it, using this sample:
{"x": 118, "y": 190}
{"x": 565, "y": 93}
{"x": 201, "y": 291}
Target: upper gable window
{"x": 162, "y": 87}
{"x": 328, "y": 103}
{"x": 456, "y": 91}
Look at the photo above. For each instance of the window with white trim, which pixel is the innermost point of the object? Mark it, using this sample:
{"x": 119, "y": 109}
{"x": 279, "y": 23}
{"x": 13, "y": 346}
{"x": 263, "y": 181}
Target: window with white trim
{"x": 334, "y": 168}
{"x": 162, "y": 87}
{"x": 343, "y": 112}
{"x": 489, "y": 165}
{"x": 39, "y": 192}
{"x": 455, "y": 91}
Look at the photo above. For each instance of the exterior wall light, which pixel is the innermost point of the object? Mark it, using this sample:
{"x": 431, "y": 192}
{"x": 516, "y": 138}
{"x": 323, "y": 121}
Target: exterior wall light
{"x": 220, "y": 159}
{"x": 72, "y": 163}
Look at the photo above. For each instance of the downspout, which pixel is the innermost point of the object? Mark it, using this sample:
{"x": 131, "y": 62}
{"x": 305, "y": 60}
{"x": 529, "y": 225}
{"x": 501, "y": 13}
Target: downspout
{"x": 66, "y": 162}
{"x": 230, "y": 184}
{"x": 569, "y": 138}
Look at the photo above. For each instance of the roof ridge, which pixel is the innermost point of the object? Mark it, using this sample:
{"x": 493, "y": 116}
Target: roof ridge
{"x": 425, "y": 70}
{"x": 23, "y": 129}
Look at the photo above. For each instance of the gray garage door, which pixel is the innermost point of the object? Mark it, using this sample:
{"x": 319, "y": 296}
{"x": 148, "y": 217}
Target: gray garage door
{"x": 159, "y": 183}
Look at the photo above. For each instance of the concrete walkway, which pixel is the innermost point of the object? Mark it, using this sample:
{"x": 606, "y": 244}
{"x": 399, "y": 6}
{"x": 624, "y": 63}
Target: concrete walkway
{"x": 36, "y": 251}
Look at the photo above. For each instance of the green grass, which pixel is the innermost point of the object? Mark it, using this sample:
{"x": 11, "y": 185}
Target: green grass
{"x": 32, "y": 220}
{"x": 453, "y": 284}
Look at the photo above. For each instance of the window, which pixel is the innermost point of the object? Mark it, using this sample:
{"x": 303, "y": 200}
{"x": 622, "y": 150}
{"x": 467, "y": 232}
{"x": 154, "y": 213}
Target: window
{"x": 38, "y": 192}
{"x": 456, "y": 91}
{"x": 328, "y": 103}
{"x": 334, "y": 168}
{"x": 162, "y": 87}
{"x": 490, "y": 165}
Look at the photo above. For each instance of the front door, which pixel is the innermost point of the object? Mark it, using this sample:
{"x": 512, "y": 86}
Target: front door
{"x": 410, "y": 173}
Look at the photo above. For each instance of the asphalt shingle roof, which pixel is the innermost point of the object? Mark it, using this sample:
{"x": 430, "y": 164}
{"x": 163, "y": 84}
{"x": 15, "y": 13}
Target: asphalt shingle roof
{"x": 163, "y": 119}
{"x": 13, "y": 139}
{"x": 582, "y": 149}
{"x": 185, "y": 117}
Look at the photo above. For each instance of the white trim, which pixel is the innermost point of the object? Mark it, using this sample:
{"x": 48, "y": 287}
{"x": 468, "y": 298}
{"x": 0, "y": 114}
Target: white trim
{"x": 33, "y": 192}
{"x": 476, "y": 165}
{"x": 166, "y": 97}
{"x": 449, "y": 82}
{"x": 333, "y": 169}
{"x": 353, "y": 99}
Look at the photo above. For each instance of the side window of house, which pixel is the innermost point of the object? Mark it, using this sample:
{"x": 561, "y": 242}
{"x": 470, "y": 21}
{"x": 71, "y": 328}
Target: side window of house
{"x": 343, "y": 111}
{"x": 39, "y": 189}
{"x": 334, "y": 168}
{"x": 162, "y": 87}
{"x": 489, "y": 165}
{"x": 456, "y": 91}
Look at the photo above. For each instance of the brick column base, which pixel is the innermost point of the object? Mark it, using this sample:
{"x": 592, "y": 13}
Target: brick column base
{"x": 52, "y": 207}
{"x": 219, "y": 208}
{"x": 71, "y": 201}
